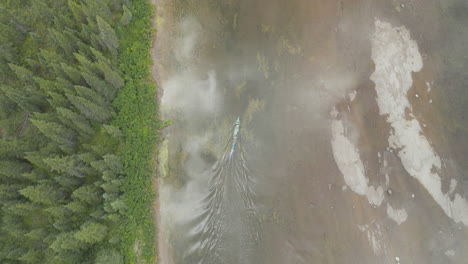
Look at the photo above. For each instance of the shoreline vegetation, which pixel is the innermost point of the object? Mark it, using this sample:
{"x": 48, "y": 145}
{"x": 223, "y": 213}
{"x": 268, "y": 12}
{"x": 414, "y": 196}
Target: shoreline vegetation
{"x": 79, "y": 126}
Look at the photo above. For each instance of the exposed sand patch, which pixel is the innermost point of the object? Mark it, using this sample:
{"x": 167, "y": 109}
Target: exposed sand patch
{"x": 396, "y": 57}
{"x": 397, "y": 215}
{"x": 350, "y": 165}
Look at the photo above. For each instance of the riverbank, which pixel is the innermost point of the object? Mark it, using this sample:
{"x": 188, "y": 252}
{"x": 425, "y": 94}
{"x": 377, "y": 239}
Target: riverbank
{"x": 139, "y": 120}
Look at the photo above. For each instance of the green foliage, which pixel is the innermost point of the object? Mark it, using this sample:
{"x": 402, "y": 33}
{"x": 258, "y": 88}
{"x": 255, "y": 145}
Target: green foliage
{"x": 107, "y": 256}
{"x": 78, "y": 127}
{"x": 89, "y": 109}
{"x": 92, "y": 233}
{"x": 137, "y": 119}
{"x": 126, "y": 17}
{"x": 107, "y": 34}
{"x": 41, "y": 193}
{"x": 56, "y": 132}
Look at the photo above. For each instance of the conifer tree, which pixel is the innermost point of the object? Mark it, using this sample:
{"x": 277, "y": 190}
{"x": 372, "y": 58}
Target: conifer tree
{"x": 77, "y": 12}
{"x": 126, "y": 16}
{"x": 107, "y": 34}
{"x": 29, "y": 102}
{"x": 113, "y": 163}
{"x": 73, "y": 75}
{"x": 111, "y": 76}
{"x": 56, "y": 132}
{"x": 91, "y": 95}
{"x": 100, "y": 86}
{"x": 77, "y": 207}
{"x": 71, "y": 165}
{"x": 74, "y": 120}
{"x": 67, "y": 241}
{"x": 42, "y": 193}
{"x": 87, "y": 193}
{"x": 23, "y": 74}
{"x": 57, "y": 100}
{"x": 113, "y": 131}
{"x": 92, "y": 233}
{"x": 106, "y": 256}
{"x": 13, "y": 168}
{"x": 89, "y": 109}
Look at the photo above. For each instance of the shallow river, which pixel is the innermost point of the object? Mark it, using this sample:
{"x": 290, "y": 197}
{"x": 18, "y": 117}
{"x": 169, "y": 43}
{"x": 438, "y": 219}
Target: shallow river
{"x": 352, "y": 141}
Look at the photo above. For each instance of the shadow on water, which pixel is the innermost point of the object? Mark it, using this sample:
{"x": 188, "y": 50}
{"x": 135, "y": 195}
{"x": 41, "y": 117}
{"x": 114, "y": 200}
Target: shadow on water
{"x": 227, "y": 228}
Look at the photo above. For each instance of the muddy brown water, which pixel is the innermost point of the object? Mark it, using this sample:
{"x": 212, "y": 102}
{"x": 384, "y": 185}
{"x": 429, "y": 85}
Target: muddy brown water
{"x": 282, "y": 66}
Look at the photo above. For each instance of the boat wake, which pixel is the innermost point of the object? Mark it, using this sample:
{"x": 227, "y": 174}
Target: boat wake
{"x": 227, "y": 230}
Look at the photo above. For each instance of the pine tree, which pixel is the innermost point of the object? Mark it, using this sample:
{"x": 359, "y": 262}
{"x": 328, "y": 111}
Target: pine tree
{"x": 113, "y": 131}
{"x": 31, "y": 256}
{"x": 110, "y": 187}
{"x": 119, "y": 205}
{"x": 89, "y": 109}
{"x": 23, "y": 74}
{"x": 42, "y": 193}
{"x": 87, "y": 193}
{"x": 57, "y": 100}
{"x": 113, "y": 163}
{"x": 9, "y": 192}
{"x": 29, "y": 102}
{"x": 71, "y": 165}
{"x": 19, "y": 208}
{"x": 77, "y": 12}
{"x": 107, "y": 34}
{"x": 126, "y": 16}
{"x": 100, "y": 86}
{"x": 94, "y": 8}
{"x": 91, "y": 95}
{"x": 88, "y": 65}
{"x": 56, "y": 132}
{"x": 13, "y": 169}
{"x": 77, "y": 207}
{"x": 92, "y": 233}
{"x": 106, "y": 256}
{"x": 14, "y": 148}
{"x": 74, "y": 120}
{"x": 111, "y": 76}
{"x": 73, "y": 74}
{"x": 67, "y": 241}
{"x": 36, "y": 234}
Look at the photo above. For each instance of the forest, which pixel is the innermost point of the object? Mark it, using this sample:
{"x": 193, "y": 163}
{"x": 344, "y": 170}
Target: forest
{"x": 78, "y": 130}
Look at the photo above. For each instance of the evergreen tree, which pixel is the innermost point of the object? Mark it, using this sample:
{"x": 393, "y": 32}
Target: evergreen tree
{"x": 57, "y": 100}
{"x": 30, "y": 102}
{"x": 87, "y": 193}
{"x": 90, "y": 95}
{"x": 113, "y": 131}
{"x": 111, "y": 76}
{"x": 100, "y": 86}
{"x": 107, "y": 34}
{"x": 71, "y": 165}
{"x": 42, "y": 193}
{"x": 113, "y": 163}
{"x": 13, "y": 168}
{"x": 31, "y": 256}
{"x": 89, "y": 109}
{"x": 91, "y": 233}
{"x": 74, "y": 120}
{"x": 77, "y": 12}
{"x": 56, "y": 132}
{"x": 106, "y": 256}
{"x": 73, "y": 74}
{"x": 76, "y": 207}
{"x": 67, "y": 241}
{"x": 23, "y": 74}
{"x": 126, "y": 17}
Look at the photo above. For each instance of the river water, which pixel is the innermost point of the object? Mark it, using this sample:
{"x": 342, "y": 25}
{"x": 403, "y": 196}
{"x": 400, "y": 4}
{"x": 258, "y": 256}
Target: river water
{"x": 354, "y": 137}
